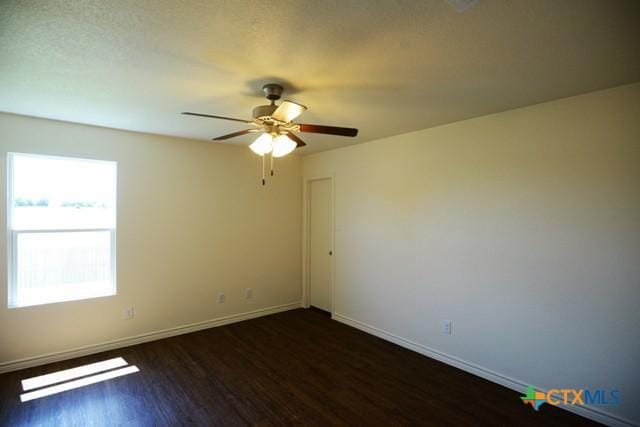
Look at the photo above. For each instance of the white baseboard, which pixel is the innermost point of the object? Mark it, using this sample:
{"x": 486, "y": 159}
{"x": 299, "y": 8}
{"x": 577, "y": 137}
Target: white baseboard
{"x": 514, "y": 384}
{"x": 15, "y": 365}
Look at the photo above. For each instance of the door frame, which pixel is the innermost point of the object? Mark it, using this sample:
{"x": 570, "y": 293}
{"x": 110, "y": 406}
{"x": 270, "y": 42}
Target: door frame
{"x": 306, "y": 241}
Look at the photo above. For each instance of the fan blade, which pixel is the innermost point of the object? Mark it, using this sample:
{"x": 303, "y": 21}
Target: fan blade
{"x": 287, "y": 111}
{"x": 233, "y": 135}
{"x": 217, "y": 117}
{"x": 329, "y": 130}
{"x": 295, "y": 139}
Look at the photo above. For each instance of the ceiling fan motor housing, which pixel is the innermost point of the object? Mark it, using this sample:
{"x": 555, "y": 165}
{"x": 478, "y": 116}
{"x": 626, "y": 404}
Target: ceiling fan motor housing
{"x": 272, "y": 92}
{"x": 264, "y": 111}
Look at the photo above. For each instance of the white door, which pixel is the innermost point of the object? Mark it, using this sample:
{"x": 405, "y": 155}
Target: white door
{"x": 320, "y": 250}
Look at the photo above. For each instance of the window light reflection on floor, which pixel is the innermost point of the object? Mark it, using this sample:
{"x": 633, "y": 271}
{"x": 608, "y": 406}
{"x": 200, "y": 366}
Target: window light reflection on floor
{"x": 80, "y": 373}
{"x": 70, "y": 374}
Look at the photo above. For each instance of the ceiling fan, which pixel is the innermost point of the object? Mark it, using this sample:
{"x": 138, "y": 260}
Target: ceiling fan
{"x": 275, "y": 125}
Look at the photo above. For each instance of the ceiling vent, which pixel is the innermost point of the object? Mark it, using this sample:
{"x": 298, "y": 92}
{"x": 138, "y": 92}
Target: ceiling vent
{"x": 462, "y": 5}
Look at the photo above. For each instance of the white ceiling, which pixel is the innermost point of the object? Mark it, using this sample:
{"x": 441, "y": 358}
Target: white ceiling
{"x": 383, "y": 66}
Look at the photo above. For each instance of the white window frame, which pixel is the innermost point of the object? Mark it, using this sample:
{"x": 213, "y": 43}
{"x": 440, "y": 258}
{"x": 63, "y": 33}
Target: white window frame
{"x": 12, "y": 235}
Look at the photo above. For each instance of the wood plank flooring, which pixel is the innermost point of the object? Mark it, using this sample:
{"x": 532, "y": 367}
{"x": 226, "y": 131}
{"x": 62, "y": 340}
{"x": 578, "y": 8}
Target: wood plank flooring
{"x": 293, "y": 368}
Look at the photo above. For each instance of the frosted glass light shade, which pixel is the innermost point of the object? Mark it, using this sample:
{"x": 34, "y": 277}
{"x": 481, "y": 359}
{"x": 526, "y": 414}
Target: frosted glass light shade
{"x": 262, "y": 145}
{"x": 282, "y": 146}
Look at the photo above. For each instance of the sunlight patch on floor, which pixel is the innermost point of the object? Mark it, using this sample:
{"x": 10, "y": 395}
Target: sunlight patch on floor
{"x": 70, "y": 379}
{"x": 70, "y": 374}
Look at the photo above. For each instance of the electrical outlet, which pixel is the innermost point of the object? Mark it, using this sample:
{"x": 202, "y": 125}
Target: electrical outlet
{"x": 128, "y": 313}
{"x": 446, "y": 327}
{"x": 221, "y": 297}
{"x": 248, "y": 293}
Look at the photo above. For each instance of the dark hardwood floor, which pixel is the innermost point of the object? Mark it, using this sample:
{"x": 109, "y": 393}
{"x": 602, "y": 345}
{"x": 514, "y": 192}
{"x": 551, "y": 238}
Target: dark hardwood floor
{"x": 297, "y": 367}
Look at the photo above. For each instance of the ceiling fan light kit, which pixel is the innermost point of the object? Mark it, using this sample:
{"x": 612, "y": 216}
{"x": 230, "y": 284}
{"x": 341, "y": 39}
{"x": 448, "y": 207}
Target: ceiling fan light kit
{"x": 263, "y": 145}
{"x": 282, "y": 146}
{"x": 276, "y": 127}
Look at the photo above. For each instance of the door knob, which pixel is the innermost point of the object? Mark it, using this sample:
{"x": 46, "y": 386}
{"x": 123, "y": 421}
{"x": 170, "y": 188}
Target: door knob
{"x": 330, "y": 253}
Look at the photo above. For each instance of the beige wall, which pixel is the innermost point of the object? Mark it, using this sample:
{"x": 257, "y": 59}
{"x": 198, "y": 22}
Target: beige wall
{"x": 192, "y": 221}
{"x": 522, "y": 227}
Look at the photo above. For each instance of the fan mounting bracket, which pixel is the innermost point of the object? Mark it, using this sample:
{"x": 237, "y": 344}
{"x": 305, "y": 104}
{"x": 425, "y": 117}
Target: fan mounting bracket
{"x": 272, "y": 91}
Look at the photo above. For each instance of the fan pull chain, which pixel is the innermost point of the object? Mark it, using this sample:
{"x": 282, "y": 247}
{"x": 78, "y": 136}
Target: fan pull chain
{"x": 271, "y": 164}
{"x": 263, "y": 180}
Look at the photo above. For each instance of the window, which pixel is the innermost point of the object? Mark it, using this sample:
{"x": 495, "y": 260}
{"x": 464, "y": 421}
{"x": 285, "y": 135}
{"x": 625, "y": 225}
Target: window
{"x": 61, "y": 229}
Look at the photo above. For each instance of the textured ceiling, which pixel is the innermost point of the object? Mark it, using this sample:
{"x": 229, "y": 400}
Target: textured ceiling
{"x": 383, "y": 66}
